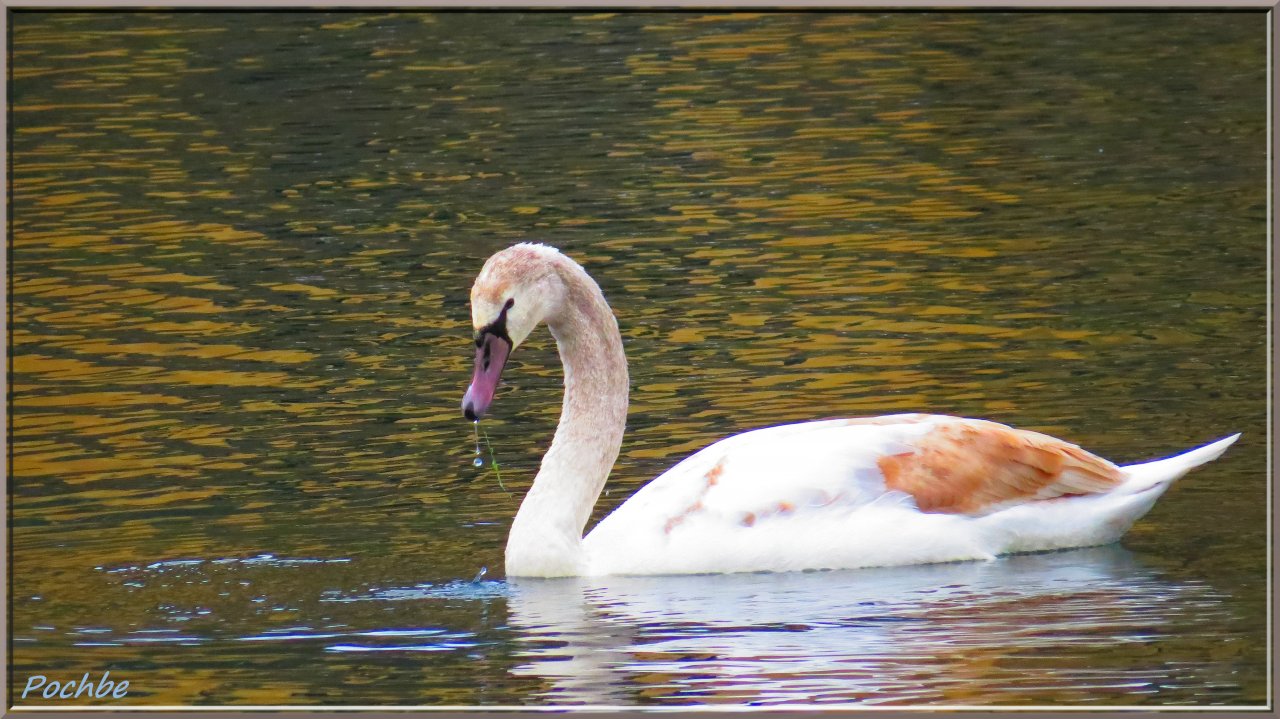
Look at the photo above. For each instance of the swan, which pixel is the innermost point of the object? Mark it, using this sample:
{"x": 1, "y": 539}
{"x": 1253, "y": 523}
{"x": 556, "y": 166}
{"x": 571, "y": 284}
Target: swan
{"x": 827, "y": 494}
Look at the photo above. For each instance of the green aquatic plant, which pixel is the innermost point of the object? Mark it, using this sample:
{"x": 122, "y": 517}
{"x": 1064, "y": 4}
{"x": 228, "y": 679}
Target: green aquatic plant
{"x": 493, "y": 460}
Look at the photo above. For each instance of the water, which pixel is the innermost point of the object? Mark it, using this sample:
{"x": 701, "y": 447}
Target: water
{"x": 242, "y": 247}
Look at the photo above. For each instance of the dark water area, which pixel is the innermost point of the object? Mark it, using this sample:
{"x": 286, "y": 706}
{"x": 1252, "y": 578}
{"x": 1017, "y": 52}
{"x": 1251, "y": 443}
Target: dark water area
{"x": 241, "y": 247}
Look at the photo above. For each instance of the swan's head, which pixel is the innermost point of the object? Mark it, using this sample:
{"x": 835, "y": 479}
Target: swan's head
{"x": 518, "y": 288}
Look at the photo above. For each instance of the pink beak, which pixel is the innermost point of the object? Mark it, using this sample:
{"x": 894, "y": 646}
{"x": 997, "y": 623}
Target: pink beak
{"x": 491, "y": 357}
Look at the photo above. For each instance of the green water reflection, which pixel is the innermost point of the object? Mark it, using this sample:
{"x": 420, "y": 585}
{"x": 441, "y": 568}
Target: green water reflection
{"x": 240, "y": 256}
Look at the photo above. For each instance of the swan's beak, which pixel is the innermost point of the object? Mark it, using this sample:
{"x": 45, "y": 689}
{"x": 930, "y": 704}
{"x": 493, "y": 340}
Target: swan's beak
{"x": 491, "y": 357}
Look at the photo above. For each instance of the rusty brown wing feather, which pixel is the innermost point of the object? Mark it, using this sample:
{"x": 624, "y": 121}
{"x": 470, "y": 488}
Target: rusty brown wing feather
{"x": 975, "y": 467}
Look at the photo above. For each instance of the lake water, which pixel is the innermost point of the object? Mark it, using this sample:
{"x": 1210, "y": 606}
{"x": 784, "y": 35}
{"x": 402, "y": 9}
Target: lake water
{"x": 241, "y": 250}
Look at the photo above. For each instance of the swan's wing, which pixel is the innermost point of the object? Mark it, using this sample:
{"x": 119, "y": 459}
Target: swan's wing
{"x": 969, "y": 466}
{"x": 755, "y": 475}
{"x": 937, "y": 464}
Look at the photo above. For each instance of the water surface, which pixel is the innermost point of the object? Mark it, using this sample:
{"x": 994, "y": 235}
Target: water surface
{"x": 240, "y": 256}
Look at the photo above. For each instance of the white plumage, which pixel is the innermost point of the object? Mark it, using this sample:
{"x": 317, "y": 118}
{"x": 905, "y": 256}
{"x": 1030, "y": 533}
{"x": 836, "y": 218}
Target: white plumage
{"x": 811, "y": 496}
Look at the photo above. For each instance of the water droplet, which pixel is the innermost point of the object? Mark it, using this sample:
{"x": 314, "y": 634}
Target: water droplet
{"x": 478, "y": 462}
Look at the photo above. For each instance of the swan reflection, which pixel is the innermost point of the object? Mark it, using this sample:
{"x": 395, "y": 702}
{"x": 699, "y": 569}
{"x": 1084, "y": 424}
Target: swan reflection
{"x": 964, "y": 633}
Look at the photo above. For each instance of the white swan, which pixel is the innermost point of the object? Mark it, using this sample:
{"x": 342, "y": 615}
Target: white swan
{"x": 833, "y": 494}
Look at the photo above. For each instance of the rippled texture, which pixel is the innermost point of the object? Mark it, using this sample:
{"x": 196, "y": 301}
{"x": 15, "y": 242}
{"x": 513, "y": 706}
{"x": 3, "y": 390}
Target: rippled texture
{"x": 241, "y": 251}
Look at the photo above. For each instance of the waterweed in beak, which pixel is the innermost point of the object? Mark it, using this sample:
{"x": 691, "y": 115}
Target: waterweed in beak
{"x": 493, "y": 460}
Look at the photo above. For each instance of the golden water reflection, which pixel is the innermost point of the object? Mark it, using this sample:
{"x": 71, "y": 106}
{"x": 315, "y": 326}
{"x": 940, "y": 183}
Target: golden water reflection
{"x": 242, "y": 245}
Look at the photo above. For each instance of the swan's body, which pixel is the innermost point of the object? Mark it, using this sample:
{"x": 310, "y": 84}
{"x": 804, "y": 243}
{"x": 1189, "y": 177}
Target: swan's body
{"x": 814, "y": 496}
{"x": 833, "y": 494}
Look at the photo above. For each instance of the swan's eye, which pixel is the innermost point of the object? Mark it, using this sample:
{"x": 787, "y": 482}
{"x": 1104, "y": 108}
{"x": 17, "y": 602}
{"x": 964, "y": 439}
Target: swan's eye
{"x": 511, "y": 302}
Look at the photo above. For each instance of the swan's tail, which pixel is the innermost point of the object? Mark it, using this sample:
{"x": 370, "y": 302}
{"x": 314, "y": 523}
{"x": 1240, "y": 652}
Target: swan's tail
{"x": 1162, "y": 471}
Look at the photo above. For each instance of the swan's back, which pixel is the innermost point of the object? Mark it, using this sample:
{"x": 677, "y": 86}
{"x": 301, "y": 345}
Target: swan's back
{"x": 902, "y": 489}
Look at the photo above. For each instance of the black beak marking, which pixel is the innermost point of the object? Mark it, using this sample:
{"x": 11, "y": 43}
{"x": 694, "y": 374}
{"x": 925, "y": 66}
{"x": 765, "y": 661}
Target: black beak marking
{"x": 497, "y": 328}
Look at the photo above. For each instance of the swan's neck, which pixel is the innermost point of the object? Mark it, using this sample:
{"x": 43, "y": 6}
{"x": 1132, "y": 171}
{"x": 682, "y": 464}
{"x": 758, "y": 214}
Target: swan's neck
{"x": 546, "y": 536}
